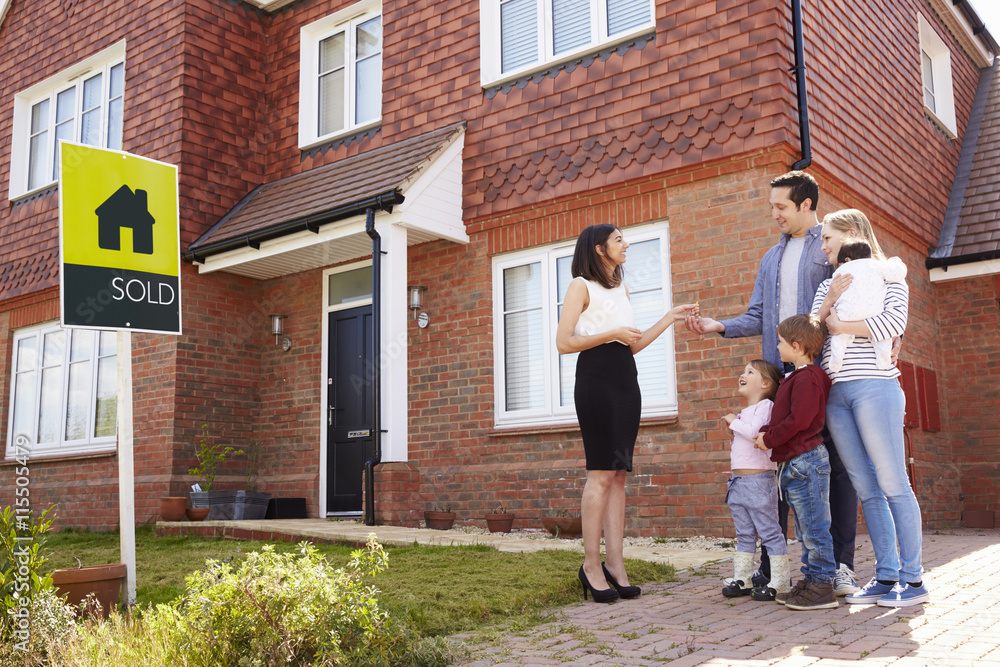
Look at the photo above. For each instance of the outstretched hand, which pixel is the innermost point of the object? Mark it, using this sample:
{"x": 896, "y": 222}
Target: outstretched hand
{"x": 703, "y": 325}
{"x": 684, "y": 311}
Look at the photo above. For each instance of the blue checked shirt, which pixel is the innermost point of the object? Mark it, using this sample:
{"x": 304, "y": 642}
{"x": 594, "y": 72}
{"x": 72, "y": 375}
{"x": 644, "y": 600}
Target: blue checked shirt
{"x": 761, "y": 318}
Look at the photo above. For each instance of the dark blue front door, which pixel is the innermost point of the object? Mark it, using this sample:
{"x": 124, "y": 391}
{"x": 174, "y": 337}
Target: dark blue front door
{"x": 349, "y": 407}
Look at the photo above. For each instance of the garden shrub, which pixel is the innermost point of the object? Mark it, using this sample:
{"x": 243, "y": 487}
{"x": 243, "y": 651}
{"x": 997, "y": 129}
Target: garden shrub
{"x": 270, "y": 609}
{"x": 32, "y": 612}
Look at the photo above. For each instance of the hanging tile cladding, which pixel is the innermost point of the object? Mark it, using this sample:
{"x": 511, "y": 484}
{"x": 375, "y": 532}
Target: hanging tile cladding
{"x": 866, "y": 110}
{"x": 633, "y": 147}
{"x": 714, "y": 84}
{"x": 193, "y": 74}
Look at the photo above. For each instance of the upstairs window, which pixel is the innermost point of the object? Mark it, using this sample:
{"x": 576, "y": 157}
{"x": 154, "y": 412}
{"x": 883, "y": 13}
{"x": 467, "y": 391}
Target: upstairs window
{"x": 64, "y": 391}
{"x": 935, "y": 73}
{"x": 533, "y": 382}
{"x": 521, "y": 36}
{"x": 340, "y": 85}
{"x": 83, "y": 104}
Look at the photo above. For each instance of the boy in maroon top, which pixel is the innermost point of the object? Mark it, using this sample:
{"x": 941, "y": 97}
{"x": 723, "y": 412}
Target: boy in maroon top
{"x": 796, "y": 443}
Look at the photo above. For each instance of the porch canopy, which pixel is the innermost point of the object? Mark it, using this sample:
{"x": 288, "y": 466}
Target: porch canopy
{"x": 317, "y": 218}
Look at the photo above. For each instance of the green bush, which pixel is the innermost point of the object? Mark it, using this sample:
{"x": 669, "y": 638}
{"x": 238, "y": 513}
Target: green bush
{"x": 31, "y": 611}
{"x": 271, "y": 609}
{"x": 51, "y": 621}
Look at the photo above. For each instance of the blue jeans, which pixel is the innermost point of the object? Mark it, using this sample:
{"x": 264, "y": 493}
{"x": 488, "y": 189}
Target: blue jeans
{"x": 805, "y": 484}
{"x": 865, "y": 418}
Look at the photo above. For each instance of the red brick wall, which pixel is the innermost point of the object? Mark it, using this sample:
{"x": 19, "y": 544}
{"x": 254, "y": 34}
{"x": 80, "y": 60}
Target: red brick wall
{"x": 290, "y": 388}
{"x": 681, "y": 465}
{"x": 712, "y": 84}
{"x": 970, "y": 389}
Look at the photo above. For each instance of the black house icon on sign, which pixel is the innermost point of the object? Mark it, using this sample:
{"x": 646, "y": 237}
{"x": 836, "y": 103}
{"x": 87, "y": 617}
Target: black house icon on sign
{"x": 125, "y": 209}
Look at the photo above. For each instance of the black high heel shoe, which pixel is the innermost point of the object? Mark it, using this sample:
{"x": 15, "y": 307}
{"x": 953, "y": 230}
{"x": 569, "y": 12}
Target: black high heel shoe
{"x": 625, "y": 592}
{"x": 603, "y": 595}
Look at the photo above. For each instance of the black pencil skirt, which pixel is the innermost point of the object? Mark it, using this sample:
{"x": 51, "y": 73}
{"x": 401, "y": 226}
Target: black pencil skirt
{"x": 608, "y": 405}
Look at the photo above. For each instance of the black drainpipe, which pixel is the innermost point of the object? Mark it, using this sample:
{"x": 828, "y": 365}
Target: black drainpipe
{"x": 800, "y": 75}
{"x": 376, "y": 367}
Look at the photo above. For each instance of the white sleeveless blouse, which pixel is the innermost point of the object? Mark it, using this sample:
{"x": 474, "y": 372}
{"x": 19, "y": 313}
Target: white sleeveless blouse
{"x": 608, "y": 309}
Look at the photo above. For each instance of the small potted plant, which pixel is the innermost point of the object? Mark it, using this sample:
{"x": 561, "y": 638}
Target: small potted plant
{"x": 563, "y": 525}
{"x": 499, "y": 520}
{"x": 439, "y": 520}
{"x": 210, "y": 455}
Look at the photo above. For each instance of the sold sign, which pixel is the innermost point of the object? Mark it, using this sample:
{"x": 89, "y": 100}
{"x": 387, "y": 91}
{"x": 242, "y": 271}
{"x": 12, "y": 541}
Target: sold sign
{"x": 119, "y": 241}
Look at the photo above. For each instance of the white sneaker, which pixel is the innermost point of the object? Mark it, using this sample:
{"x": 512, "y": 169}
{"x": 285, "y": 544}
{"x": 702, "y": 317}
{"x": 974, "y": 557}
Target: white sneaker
{"x": 844, "y": 582}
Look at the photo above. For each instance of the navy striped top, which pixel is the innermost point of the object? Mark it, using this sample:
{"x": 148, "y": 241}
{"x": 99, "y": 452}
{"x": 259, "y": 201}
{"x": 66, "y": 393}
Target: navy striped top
{"x": 859, "y": 359}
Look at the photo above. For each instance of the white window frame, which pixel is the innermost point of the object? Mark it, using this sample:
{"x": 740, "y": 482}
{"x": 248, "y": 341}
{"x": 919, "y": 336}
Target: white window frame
{"x": 61, "y": 447}
{"x": 25, "y": 100}
{"x": 944, "y": 92}
{"x": 551, "y": 413}
{"x": 310, "y": 37}
{"x": 491, "y": 70}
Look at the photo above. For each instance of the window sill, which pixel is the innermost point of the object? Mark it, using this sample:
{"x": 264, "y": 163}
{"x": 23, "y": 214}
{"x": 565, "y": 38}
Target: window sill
{"x": 344, "y": 136}
{"x": 25, "y": 197}
{"x": 942, "y": 125}
{"x": 58, "y": 458}
{"x": 600, "y": 50}
{"x": 570, "y": 427}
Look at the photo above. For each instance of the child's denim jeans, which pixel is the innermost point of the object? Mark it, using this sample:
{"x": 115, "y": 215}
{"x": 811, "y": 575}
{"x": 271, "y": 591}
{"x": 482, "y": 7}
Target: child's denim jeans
{"x": 805, "y": 485}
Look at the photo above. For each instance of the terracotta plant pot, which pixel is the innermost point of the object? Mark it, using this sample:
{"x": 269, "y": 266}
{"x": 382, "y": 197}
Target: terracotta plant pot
{"x": 197, "y": 513}
{"x": 563, "y": 526}
{"x": 500, "y": 523}
{"x": 439, "y": 520}
{"x": 106, "y": 582}
{"x": 172, "y": 508}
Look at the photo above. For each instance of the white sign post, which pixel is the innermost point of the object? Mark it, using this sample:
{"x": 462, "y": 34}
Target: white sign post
{"x": 126, "y": 478}
{"x": 119, "y": 243}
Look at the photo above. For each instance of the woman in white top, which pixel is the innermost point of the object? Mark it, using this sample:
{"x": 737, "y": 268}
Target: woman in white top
{"x": 597, "y": 321}
{"x": 865, "y": 416}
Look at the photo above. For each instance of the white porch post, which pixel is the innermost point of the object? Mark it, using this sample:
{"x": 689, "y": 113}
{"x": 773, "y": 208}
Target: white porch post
{"x": 393, "y": 353}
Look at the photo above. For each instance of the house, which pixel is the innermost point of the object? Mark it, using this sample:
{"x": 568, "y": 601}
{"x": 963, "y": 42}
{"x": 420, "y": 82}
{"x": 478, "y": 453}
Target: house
{"x": 402, "y": 182}
{"x": 128, "y": 209}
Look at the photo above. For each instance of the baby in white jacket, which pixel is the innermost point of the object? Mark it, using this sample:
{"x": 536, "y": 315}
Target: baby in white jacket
{"x": 864, "y": 298}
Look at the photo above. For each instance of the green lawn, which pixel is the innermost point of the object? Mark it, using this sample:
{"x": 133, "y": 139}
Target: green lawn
{"x": 442, "y": 590}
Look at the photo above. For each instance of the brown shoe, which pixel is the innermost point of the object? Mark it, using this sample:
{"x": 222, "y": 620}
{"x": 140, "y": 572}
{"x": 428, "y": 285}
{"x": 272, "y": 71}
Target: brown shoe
{"x": 813, "y": 596}
{"x": 780, "y": 598}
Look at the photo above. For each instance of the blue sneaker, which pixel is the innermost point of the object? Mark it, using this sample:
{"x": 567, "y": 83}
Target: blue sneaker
{"x": 870, "y": 593}
{"x": 904, "y": 595}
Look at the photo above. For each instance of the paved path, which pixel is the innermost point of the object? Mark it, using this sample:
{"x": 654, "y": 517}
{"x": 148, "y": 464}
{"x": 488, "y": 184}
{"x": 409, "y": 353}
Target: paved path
{"x": 688, "y": 622}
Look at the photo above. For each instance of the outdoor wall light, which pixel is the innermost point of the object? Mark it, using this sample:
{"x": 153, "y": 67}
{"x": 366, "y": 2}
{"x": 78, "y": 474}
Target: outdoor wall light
{"x": 278, "y": 331}
{"x": 416, "y": 305}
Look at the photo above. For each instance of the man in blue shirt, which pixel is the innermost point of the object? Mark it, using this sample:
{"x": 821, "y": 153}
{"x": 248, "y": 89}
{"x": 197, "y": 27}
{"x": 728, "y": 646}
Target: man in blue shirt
{"x": 787, "y": 279}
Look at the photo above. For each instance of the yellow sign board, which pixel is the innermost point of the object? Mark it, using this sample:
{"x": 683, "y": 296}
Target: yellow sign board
{"x": 119, "y": 241}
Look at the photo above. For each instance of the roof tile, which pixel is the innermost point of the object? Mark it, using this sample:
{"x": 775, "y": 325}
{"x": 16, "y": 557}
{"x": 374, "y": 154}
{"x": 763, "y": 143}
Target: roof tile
{"x": 332, "y": 186}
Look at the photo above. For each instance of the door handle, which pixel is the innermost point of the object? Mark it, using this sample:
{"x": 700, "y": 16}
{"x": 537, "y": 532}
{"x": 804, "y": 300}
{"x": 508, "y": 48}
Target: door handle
{"x": 329, "y": 417}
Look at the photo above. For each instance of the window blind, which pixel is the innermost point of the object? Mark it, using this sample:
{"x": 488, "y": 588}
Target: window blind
{"x": 518, "y": 34}
{"x": 627, "y": 14}
{"x": 570, "y": 24}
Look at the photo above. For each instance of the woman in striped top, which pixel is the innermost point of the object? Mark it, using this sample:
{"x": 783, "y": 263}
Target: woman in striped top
{"x": 865, "y": 417}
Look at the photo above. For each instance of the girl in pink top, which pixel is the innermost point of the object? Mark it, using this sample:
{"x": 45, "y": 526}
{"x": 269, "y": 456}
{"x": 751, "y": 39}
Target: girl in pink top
{"x": 753, "y": 489}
